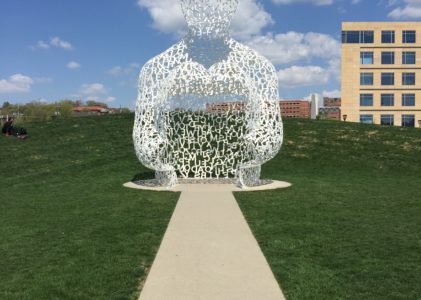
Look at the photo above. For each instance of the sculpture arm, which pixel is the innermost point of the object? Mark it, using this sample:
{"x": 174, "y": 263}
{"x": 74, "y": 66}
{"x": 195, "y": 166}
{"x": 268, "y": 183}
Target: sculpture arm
{"x": 148, "y": 143}
{"x": 266, "y": 135}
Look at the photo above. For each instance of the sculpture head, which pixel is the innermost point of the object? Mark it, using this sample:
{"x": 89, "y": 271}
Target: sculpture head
{"x": 208, "y": 17}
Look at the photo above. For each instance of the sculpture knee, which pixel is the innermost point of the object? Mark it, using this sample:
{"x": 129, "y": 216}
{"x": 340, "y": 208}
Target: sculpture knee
{"x": 166, "y": 177}
{"x": 248, "y": 175}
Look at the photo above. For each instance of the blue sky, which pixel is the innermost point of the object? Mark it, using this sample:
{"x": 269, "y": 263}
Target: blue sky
{"x": 93, "y": 49}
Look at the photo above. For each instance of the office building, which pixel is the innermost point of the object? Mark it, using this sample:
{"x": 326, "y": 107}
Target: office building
{"x": 381, "y": 73}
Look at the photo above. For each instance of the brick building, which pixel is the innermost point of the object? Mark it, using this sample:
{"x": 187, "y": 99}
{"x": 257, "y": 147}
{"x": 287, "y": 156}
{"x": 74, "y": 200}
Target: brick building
{"x": 330, "y": 113}
{"x": 331, "y": 109}
{"x": 224, "y": 107}
{"x": 332, "y": 102}
{"x": 295, "y": 109}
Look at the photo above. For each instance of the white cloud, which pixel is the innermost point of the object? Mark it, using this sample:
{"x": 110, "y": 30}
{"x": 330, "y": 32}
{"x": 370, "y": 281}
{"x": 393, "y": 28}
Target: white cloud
{"x": 311, "y": 75}
{"x": 256, "y": 16}
{"x": 168, "y": 18}
{"x": 166, "y": 15}
{"x": 293, "y": 46}
{"x": 95, "y": 92}
{"x": 297, "y": 76}
{"x": 115, "y": 71}
{"x": 316, "y": 2}
{"x": 131, "y": 69}
{"x": 410, "y": 10}
{"x": 332, "y": 94}
{"x": 335, "y": 68}
{"x": 17, "y": 83}
{"x": 42, "y": 45}
{"x": 92, "y": 89}
{"x": 57, "y": 42}
{"x": 73, "y": 65}
{"x": 110, "y": 99}
{"x": 54, "y": 42}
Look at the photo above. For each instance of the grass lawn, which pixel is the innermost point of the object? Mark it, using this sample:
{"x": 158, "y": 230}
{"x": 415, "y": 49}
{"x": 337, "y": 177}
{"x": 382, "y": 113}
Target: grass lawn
{"x": 350, "y": 227}
{"x": 68, "y": 229}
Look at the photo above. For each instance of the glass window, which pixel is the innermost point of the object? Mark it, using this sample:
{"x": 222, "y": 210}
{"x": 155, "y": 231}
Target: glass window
{"x": 350, "y": 37}
{"x": 387, "y": 120}
{"x": 409, "y": 37}
{"x": 388, "y": 58}
{"x": 388, "y": 37}
{"x": 387, "y": 100}
{"x": 408, "y": 120}
{"x": 408, "y": 58}
{"x": 366, "y": 79}
{"x": 408, "y": 78}
{"x": 408, "y": 99}
{"x": 366, "y": 58}
{"x": 367, "y": 37}
{"x": 366, "y": 100}
{"x": 366, "y": 119}
{"x": 356, "y": 37}
{"x": 388, "y": 78}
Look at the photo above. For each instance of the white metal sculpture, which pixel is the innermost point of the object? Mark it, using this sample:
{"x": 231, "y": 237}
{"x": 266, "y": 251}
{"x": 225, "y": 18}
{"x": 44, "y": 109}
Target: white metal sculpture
{"x": 208, "y": 106}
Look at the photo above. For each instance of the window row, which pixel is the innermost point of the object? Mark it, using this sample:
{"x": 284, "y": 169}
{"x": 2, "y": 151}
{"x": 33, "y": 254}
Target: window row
{"x": 408, "y": 37}
{"x": 387, "y": 78}
{"x": 387, "y": 100}
{"x": 407, "y": 120}
{"x": 358, "y": 37}
{"x": 367, "y": 36}
{"x": 388, "y": 58}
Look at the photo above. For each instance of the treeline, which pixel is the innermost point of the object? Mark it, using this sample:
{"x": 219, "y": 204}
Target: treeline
{"x": 42, "y": 111}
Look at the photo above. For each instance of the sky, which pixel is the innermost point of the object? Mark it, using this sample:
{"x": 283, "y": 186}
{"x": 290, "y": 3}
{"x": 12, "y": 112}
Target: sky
{"x": 94, "y": 49}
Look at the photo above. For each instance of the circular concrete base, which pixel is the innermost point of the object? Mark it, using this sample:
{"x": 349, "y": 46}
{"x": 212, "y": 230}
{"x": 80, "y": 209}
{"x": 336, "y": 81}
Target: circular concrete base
{"x": 151, "y": 186}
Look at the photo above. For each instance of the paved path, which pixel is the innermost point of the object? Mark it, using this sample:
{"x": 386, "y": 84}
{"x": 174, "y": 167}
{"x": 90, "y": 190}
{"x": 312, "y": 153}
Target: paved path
{"x": 209, "y": 252}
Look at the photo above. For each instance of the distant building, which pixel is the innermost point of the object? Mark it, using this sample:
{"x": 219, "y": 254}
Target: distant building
{"x": 332, "y": 102}
{"x": 381, "y": 73}
{"x": 224, "y": 107}
{"x": 295, "y": 109}
{"x": 84, "y": 111}
{"x": 330, "y": 113}
{"x": 331, "y": 109}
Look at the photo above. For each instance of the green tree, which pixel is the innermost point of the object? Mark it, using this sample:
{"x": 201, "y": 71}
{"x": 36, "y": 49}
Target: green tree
{"x": 96, "y": 103}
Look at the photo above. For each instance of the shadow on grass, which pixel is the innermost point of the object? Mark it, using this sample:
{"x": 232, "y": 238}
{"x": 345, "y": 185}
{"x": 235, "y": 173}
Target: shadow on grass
{"x": 145, "y": 175}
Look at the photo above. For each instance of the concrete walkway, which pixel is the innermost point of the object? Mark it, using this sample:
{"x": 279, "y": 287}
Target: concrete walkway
{"x": 209, "y": 252}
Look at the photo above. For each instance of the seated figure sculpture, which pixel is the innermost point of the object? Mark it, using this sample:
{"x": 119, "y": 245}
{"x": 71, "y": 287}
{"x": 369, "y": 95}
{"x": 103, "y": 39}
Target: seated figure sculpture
{"x": 208, "y": 106}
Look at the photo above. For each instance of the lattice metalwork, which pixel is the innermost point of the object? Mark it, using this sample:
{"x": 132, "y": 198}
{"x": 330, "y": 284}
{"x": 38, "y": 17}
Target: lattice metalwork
{"x": 208, "y": 106}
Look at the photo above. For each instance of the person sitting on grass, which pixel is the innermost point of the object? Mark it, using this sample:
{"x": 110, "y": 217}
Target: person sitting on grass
{"x": 7, "y": 128}
{"x": 20, "y": 133}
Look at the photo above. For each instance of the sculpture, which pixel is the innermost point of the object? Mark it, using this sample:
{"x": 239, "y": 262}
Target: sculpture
{"x": 208, "y": 106}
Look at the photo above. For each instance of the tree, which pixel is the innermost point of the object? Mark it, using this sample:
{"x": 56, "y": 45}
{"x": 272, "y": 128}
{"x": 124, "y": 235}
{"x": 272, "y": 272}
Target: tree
{"x": 6, "y": 104}
{"x": 95, "y": 103}
{"x": 65, "y": 108}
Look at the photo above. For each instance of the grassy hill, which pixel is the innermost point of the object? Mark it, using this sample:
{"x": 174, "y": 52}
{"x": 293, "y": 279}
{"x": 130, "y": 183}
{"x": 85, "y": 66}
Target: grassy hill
{"x": 68, "y": 229}
{"x": 350, "y": 226}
